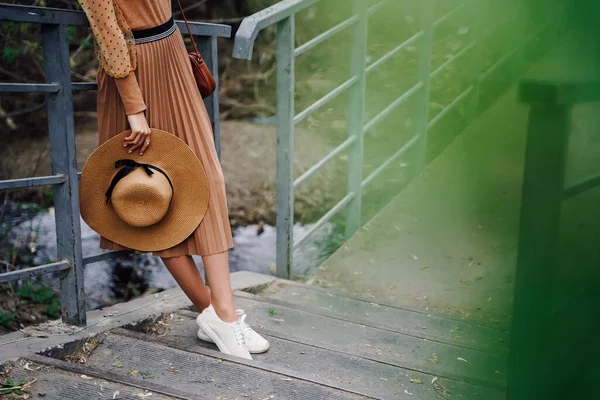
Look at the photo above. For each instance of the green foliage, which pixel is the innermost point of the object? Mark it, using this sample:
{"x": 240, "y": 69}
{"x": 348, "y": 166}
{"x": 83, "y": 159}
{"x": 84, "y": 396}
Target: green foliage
{"x": 10, "y": 387}
{"x": 53, "y": 309}
{"x": 6, "y": 319}
{"x": 272, "y": 312}
{"x": 10, "y": 53}
{"x": 38, "y": 294}
{"x": 41, "y": 294}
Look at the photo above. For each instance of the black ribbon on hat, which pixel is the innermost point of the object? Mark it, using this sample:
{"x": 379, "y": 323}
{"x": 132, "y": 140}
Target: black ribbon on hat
{"x": 128, "y": 166}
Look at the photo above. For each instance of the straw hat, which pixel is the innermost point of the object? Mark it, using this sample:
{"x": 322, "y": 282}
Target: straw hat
{"x": 148, "y": 203}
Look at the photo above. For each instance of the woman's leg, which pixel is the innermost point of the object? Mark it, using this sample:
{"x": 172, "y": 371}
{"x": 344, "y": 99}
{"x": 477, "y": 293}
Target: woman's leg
{"x": 217, "y": 274}
{"x": 186, "y": 273}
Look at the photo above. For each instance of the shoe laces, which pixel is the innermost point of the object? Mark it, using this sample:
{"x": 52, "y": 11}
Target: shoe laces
{"x": 238, "y": 330}
{"x": 242, "y": 321}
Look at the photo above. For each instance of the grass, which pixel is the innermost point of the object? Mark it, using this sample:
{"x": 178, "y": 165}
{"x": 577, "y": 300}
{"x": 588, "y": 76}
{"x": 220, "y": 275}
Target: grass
{"x": 41, "y": 294}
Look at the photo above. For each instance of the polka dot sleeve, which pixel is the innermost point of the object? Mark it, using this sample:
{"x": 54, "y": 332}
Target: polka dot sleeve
{"x": 115, "y": 49}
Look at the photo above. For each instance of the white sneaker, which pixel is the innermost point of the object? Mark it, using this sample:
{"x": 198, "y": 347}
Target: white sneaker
{"x": 228, "y": 336}
{"x": 254, "y": 342}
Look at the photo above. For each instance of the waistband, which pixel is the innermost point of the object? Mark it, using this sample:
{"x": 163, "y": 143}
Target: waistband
{"x": 155, "y": 33}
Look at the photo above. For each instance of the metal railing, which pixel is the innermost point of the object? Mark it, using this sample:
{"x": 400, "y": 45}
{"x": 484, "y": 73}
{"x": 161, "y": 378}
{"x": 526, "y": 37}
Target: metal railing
{"x": 58, "y": 89}
{"x": 283, "y": 14}
{"x": 535, "y": 370}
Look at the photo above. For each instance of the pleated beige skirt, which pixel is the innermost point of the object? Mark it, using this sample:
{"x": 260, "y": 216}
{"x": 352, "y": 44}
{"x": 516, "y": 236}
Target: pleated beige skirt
{"x": 174, "y": 105}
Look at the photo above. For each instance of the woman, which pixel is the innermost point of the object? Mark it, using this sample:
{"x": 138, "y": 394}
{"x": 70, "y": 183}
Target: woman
{"x": 146, "y": 80}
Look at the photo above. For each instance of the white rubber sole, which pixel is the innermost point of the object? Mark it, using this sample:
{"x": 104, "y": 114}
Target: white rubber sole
{"x": 203, "y": 336}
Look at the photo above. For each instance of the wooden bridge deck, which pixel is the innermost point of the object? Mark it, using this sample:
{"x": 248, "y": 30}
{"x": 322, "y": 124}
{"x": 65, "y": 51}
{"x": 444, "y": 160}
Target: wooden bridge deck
{"x": 323, "y": 346}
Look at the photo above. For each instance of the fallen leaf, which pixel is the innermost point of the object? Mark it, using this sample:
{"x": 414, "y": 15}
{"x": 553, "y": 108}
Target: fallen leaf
{"x": 416, "y": 380}
{"x": 463, "y": 360}
{"x": 408, "y": 393}
{"x": 85, "y": 377}
{"x": 143, "y": 395}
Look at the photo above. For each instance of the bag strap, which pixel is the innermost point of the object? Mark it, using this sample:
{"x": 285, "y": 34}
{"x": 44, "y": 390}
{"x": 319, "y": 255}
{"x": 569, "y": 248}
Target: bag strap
{"x": 188, "y": 27}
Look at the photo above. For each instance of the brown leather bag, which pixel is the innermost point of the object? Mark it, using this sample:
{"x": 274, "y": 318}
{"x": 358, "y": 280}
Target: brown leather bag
{"x": 204, "y": 79}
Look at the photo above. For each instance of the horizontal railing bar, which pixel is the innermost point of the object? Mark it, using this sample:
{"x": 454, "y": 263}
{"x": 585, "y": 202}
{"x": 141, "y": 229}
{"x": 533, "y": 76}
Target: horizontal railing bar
{"x": 447, "y": 16}
{"x": 405, "y": 96}
{"x": 325, "y": 35}
{"x": 34, "y": 271}
{"x": 452, "y": 59}
{"x": 319, "y": 224}
{"x": 324, "y": 161}
{"x": 377, "y": 6}
{"x": 84, "y": 86}
{"x": 49, "y": 15}
{"x": 395, "y": 51}
{"x": 390, "y": 160}
{"x": 502, "y": 60}
{"x": 449, "y": 107}
{"x": 29, "y": 87}
{"x": 324, "y": 100}
{"x": 581, "y": 186}
{"x": 32, "y": 182}
{"x": 105, "y": 256}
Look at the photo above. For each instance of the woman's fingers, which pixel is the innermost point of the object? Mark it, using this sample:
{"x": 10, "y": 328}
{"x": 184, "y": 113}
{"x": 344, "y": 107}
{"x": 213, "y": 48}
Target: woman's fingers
{"x": 143, "y": 139}
{"x": 145, "y": 145}
{"x": 132, "y": 142}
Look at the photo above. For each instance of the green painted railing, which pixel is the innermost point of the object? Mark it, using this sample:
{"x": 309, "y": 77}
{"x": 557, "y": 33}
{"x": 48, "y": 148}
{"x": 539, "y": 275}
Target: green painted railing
{"x": 283, "y": 14}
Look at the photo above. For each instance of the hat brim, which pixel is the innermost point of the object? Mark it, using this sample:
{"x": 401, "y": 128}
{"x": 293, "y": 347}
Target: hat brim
{"x": 188, "y": 205}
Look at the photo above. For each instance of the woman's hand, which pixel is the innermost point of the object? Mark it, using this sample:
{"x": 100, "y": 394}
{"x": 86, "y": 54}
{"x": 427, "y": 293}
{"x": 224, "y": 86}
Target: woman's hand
{"x": 140, "y": 133}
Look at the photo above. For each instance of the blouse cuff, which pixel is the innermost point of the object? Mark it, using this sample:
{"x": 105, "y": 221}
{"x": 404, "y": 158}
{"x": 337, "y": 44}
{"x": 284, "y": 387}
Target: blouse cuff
{"x": 130, "y": 93}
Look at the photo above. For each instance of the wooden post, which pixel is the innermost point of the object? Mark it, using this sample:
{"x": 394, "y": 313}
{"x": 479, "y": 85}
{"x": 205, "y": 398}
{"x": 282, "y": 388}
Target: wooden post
{"x": 530, "y": 361}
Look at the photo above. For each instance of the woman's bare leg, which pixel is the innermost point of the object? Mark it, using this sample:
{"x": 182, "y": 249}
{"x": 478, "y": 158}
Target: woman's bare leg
{"x": 186, "y": 273}
{"x": 217, "y": 274}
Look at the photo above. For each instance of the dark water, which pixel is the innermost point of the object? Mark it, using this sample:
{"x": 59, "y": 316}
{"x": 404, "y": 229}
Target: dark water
{"x": 118, "y": 280}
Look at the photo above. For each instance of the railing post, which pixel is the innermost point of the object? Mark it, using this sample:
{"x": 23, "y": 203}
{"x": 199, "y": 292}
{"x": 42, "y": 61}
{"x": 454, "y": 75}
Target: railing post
{"x": 285, "y": 146}
{"x": 424, "y": 77}
{"x": 208, "y": 49}
{"x": 64, "y": 161}
{"x": 476, "y": 35}
{"x": 356, "y": 117}
{"x": 531, "y": 350}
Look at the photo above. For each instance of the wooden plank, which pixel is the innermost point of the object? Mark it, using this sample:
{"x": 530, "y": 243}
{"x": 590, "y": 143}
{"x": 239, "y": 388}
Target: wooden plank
{"x": 418, "y": 324}
{"x": 347, "y": 371}
{"x": 205, "y": 373}
{"x": 378, "y": 345}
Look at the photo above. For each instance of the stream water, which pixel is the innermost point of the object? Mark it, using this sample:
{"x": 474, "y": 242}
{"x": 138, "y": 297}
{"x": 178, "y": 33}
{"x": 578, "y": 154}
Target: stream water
{"x": 120, "y": 279}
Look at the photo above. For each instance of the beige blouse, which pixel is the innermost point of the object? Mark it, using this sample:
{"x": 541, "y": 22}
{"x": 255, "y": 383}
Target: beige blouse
{"x": 112, "y": 23}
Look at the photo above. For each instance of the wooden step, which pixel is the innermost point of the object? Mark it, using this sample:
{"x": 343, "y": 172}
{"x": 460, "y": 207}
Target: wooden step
{"x": 206, "y": 374}
{"x": 348, "y": 372}
{"x": 291, "y": 322}
{"x": 418, "y": 323}
{"x": 60, "y": 380}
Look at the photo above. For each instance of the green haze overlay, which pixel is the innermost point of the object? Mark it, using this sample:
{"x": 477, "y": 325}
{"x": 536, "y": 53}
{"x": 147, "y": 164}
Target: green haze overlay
{"x": 451, "y": 234}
